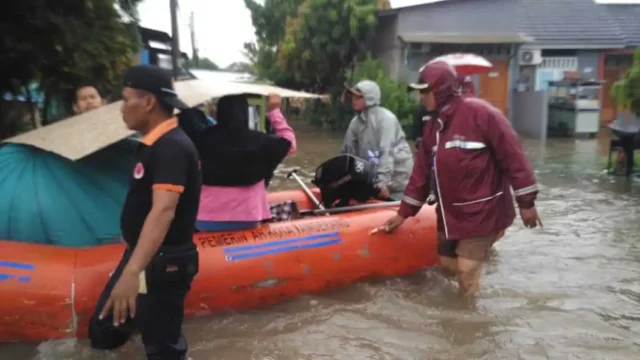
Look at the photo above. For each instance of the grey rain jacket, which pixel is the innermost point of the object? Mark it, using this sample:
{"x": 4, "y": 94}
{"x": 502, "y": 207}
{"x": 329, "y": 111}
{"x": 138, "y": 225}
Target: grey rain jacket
{"x": 375, "y": 134}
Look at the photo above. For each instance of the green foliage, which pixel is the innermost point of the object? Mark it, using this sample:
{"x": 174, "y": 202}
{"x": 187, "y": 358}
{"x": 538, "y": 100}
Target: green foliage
{"x": 269, "y": 18}
{"x": 202, "y": 63}
{"x": 618, "y": 94}
{"x": 324, "y": 39}
{"x": 314, "y": 45}
{"x": 394, "y": 95}
{"x": 62, "y": 45}
{"x": 626, "y": 91}
{"x": 239, "y": 66}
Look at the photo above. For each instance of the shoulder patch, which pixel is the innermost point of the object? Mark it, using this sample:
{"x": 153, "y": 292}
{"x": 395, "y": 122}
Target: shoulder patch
{"x": 138, "y": 171}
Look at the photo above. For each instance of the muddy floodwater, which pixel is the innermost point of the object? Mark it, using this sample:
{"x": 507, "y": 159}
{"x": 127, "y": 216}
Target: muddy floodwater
{"x": 568, "y": 291}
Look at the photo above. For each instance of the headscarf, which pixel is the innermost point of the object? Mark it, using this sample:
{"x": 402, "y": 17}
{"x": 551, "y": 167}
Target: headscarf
{"x": 233, "y": 155}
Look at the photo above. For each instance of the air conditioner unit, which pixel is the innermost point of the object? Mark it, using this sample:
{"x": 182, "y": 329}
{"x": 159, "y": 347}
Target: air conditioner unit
{"x": 530, "y": 56}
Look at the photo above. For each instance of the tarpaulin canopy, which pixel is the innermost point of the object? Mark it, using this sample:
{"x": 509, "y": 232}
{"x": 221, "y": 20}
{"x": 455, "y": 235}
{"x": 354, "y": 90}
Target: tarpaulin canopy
{"x": 81, "y": 135}
{"x": 64, "y": 184}
{"x": 48, "y": 199}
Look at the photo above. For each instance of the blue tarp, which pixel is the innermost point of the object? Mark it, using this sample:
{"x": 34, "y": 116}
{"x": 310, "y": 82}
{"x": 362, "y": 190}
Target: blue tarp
{"x": 47, "y": 199}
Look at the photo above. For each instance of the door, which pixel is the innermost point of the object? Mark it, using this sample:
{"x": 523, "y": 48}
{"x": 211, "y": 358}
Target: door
{"x": 494, "y": 85}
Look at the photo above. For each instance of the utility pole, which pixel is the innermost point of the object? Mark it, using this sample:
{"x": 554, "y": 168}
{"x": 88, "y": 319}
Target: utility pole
{"x": 194, "y": 55}
{"x": 175, "y": 45}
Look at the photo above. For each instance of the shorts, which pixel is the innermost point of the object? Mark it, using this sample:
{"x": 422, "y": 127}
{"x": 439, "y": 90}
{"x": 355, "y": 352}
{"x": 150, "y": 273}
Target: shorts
{"x": 159, "y": 316}
{"x": 476, "y": 248}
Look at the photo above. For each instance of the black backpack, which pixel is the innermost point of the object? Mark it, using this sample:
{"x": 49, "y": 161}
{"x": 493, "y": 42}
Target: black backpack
{"x": 345, "y": 177}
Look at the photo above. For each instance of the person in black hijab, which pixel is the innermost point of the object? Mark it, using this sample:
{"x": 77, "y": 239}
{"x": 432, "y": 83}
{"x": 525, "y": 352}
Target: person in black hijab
{"x": 232, "y": 154}
{"x": 237, "y": 165}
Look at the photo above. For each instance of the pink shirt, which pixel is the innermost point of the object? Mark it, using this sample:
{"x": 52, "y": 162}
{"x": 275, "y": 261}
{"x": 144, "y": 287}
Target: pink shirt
{"x": 243, "y": 203}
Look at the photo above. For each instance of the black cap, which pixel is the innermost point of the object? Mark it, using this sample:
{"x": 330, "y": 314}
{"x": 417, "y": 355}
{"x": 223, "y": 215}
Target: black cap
{"x": 155, "y": 80}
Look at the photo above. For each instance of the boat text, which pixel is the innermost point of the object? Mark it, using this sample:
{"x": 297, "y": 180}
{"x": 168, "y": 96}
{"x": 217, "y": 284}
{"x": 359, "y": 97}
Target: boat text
{"x": 273, "y": 232}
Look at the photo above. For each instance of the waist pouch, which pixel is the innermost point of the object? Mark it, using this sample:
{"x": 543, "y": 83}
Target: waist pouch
{"x": 172, "y": 266}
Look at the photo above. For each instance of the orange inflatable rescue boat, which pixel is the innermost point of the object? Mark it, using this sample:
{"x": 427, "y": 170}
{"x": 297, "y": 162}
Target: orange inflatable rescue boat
{"x": 49, "y": 292}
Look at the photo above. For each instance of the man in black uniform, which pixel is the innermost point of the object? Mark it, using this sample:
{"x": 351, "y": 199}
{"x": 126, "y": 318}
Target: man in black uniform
{"x": 148, "y": 287}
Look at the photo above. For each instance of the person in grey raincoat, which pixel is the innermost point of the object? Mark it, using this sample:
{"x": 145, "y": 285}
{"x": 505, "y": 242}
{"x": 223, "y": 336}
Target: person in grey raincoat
{"x": 375, "y": 134}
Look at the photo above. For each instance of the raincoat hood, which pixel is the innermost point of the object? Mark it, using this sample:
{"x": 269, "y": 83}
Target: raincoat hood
{"x": 375, "y": 134}
{"x": 443, "y": 80}
{"x": 370, "y": 90}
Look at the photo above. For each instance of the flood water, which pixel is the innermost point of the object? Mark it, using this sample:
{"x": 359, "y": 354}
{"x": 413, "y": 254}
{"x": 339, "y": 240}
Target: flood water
{"x": 568, "y": 291}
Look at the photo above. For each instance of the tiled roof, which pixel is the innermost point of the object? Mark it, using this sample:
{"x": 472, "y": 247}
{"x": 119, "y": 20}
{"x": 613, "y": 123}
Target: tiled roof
{"x": 576, "y": 23}
{"x": 627, "y": 17}
{"x": 569, "y": 22}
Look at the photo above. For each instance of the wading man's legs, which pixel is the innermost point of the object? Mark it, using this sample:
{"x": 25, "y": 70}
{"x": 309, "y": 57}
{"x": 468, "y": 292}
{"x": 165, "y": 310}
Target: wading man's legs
{"x": 465, "y": 258}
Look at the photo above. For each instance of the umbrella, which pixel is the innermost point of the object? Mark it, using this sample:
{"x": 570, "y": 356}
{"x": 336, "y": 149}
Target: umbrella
{"x": 48, "y": 199}
{"x": 465, "y": 64}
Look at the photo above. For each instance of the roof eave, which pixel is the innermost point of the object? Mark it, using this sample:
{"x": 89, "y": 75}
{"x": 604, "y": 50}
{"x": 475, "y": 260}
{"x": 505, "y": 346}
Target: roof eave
{"x": 459, "y": 38}
{"x": 387, "y": 12}
{"x": 576, "y": 46}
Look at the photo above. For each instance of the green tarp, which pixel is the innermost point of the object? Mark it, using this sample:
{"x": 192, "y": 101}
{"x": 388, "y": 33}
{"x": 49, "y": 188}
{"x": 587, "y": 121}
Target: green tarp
{"x": 47, "y": 199}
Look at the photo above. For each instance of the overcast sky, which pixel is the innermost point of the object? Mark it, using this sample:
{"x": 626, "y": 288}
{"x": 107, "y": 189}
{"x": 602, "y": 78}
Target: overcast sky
{"x": 222, "y": 26}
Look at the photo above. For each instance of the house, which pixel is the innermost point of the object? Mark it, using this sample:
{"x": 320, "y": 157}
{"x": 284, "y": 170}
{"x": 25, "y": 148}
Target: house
{"x": 530, "y": 42}
{"x": 156, "y": 50}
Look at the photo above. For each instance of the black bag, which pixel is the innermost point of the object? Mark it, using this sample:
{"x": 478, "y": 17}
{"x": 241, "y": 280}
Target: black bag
{"x": 173, "y": 266}
{"x": 345, "y": 177}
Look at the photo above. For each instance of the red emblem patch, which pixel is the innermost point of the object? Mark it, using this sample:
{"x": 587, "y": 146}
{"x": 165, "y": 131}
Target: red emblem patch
{"x": 138, "y": 171}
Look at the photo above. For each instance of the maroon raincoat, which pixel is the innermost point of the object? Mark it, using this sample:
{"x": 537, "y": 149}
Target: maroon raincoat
{"x": 477, "y": 159}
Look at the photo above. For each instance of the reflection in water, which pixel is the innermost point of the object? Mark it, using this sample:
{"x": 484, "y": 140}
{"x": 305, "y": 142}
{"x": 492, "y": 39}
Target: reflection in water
{"x": 568, "y": 291}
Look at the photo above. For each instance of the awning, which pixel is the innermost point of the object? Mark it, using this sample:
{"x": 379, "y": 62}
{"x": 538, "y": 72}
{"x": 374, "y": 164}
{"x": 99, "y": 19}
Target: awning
{"x": 79, "y": 136}
{"x": 466, "y": 38}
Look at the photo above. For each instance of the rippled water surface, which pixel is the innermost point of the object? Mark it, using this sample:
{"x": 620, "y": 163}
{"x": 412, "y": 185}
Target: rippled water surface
{"x": 568, "y": 291}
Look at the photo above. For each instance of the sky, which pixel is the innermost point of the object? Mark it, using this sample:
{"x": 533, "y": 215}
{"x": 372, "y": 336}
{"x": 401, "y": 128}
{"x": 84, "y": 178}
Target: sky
{"x": 223, "y": 26}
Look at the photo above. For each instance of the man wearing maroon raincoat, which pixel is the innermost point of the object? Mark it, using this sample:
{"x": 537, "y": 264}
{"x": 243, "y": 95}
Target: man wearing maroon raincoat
{"x": 468, "y": 162}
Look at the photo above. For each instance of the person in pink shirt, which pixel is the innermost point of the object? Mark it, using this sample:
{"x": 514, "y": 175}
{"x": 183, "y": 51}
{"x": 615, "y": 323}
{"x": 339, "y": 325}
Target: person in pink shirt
{"x": 237, "y": 164}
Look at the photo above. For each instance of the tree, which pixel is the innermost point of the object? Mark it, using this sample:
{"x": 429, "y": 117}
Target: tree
{"x": 626, "y": 92}
{"x": 202, "y": 63}
{"x": 269, "y": 18}
{"x": 325, "y": 39}
{"x": 61, "y": 45}
{"x": 312, "y": 45}
{"x": 394, "y": 96}
{"x": 240, "y": 67}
